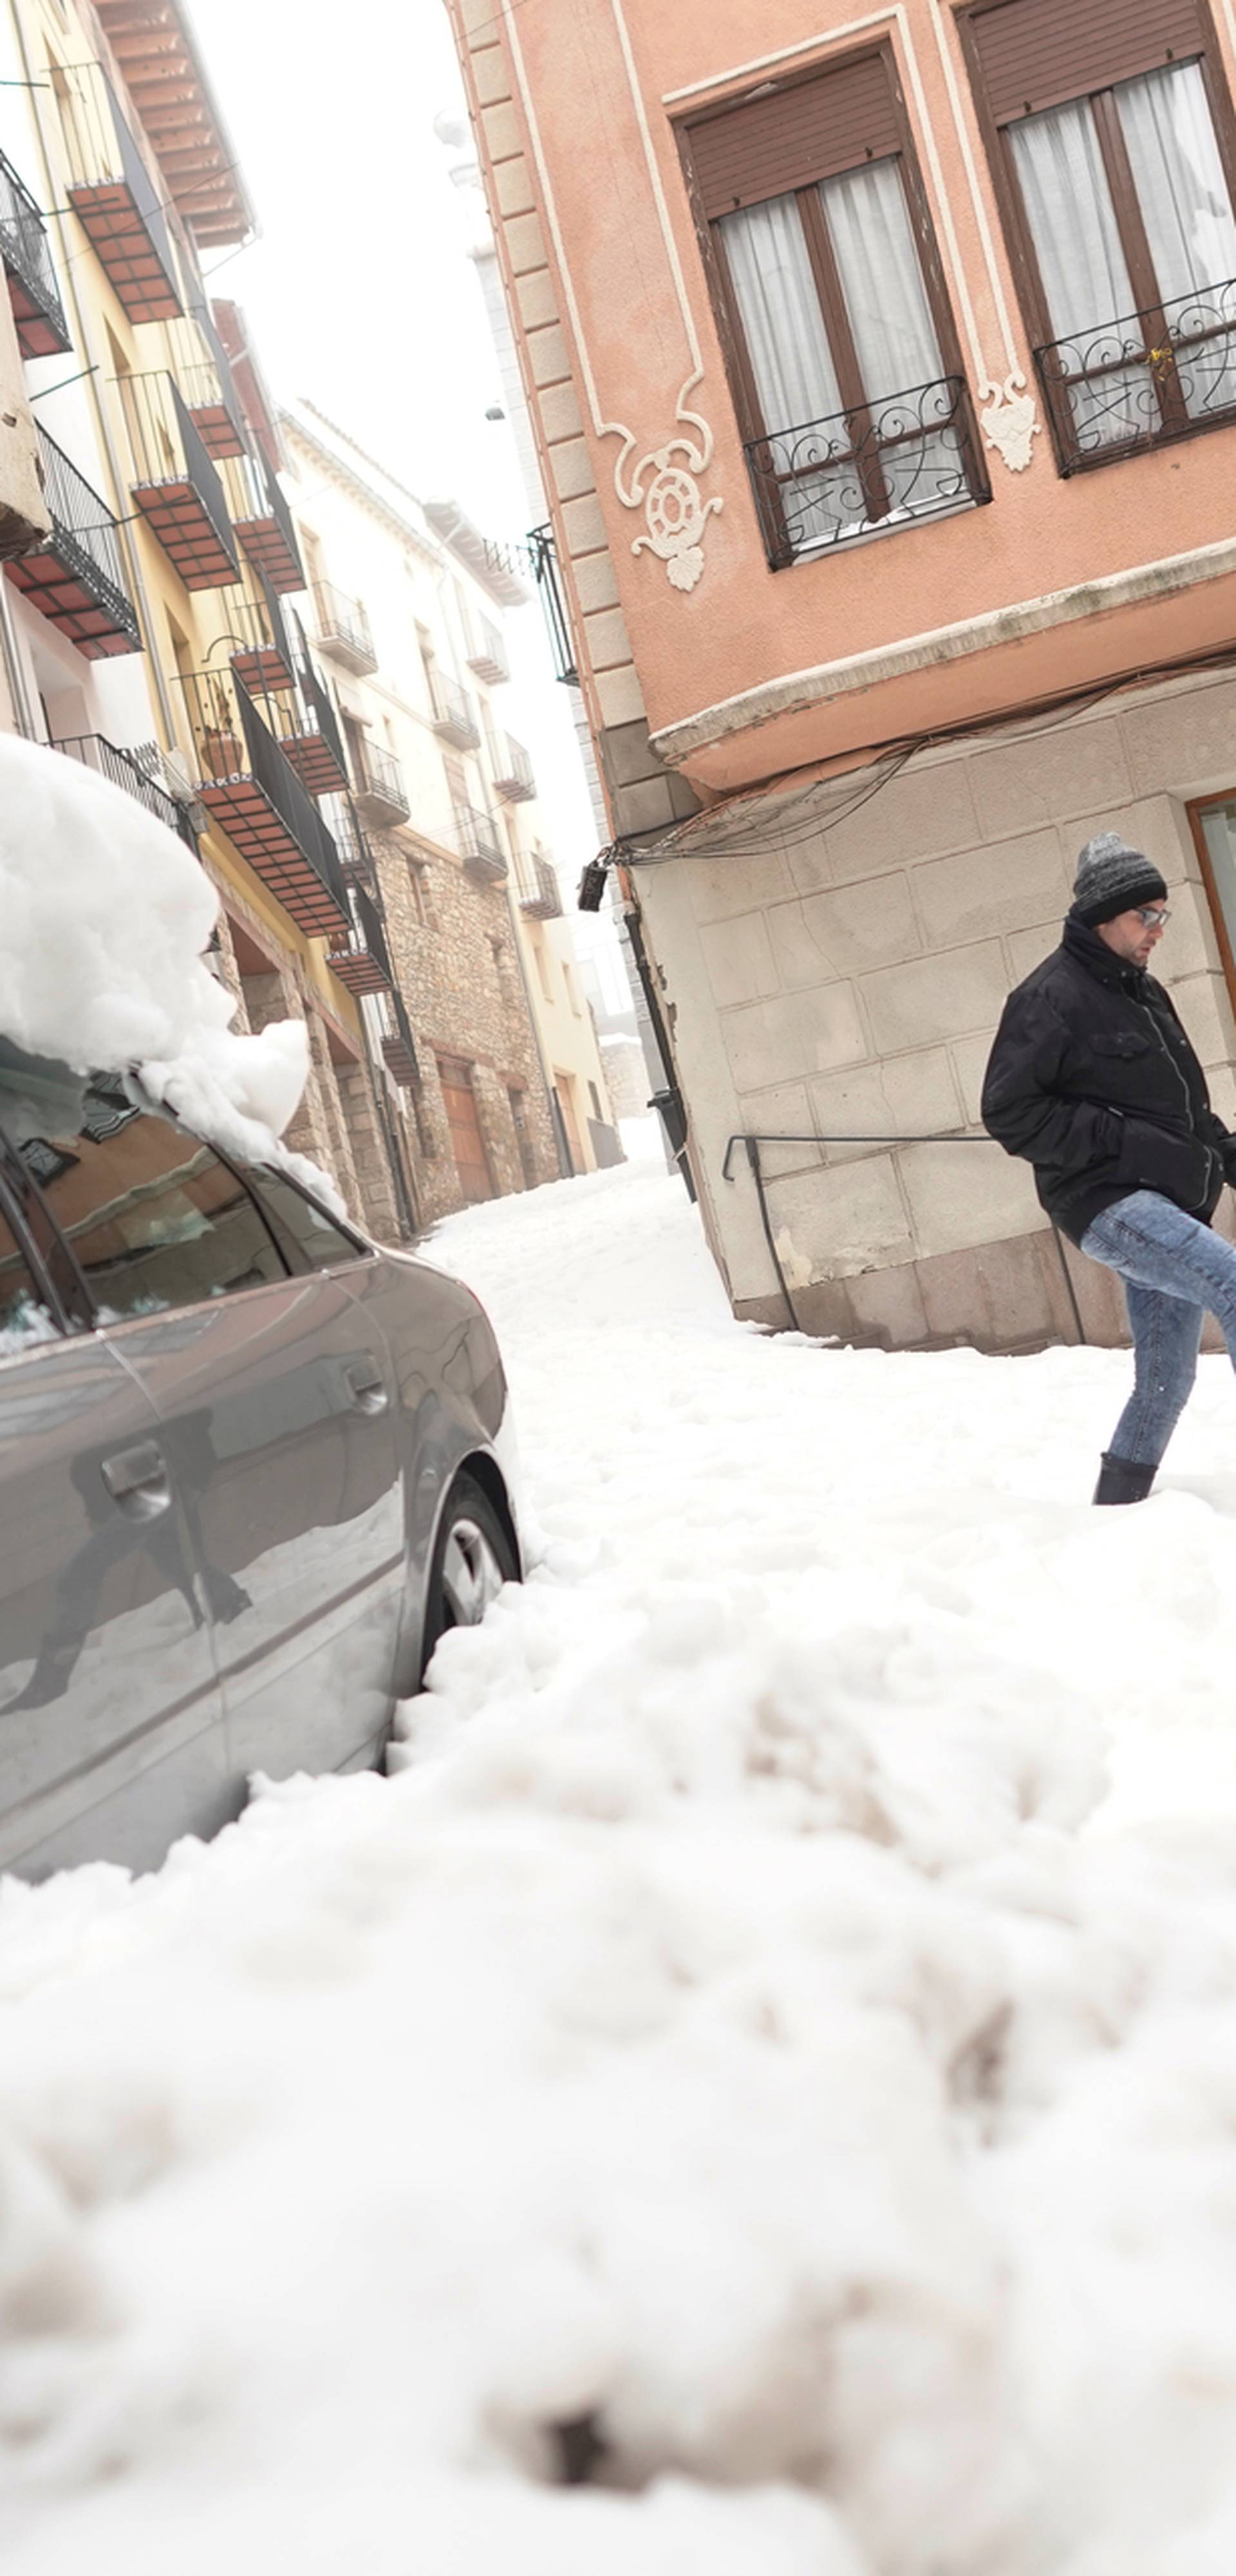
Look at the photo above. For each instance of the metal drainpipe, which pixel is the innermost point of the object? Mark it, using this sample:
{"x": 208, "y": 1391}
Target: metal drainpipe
{"x": 13, "y": 672}
{"x": 88, "y": 351}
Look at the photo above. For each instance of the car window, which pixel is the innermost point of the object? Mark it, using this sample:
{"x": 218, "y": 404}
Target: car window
{"x": 323, "y": 1244}
{"x": 154, "y": 1219}
{"x": 24, "y": 1317}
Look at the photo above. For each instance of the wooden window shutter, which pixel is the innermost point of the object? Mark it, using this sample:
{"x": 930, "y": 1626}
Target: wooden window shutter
{"x": 809, "y": 130}
{"x": 1037, "y": 54}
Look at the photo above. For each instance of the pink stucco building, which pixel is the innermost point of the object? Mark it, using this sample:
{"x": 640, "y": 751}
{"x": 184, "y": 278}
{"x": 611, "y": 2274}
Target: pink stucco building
{"x": 883, "y": 368}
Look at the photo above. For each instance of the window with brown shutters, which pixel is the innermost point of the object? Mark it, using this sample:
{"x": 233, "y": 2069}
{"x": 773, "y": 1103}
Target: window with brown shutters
{"x": 855, "y": 412}
{"x": 1109, "y": 129}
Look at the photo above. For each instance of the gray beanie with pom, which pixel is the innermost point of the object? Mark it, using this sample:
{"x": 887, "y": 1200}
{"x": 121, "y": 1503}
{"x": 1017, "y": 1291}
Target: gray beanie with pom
{"x": 1113, "y": 878}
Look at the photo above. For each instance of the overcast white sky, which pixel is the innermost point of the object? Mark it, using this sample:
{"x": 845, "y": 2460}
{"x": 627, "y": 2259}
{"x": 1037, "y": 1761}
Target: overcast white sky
{"x": 359, "y": 291}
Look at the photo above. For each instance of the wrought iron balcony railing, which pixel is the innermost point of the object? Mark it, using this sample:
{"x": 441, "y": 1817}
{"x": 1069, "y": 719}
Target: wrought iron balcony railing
{"x": 513, "y": 779}
{"x": 262, "y": 520}
{"x": 454, "y": 714}
{"x": 115, "y": 196}
{"x": 477, "y": 841}
{"x": 1143, "y": 379}
{"x": 25, "y": 255}
{"x": 858, "y": 473}
{"x": 247, "y": 782}
{"x": 361, "y": 960}
{"x": 356, "y": 856}
{"x": 124, "y": 768}
{"x": 176, "y": 482}
{"x": 342, "y": 629}
{"x": 261, "y": 648}
{"x": 489, "y": 661}
{"x": 540, "y": 895}
{"x": 203, "y": 370}
{"x": 77, "y": 577}
{"x": 398, "y": 1043}
{"x": 380, "y": 794}
{"x": 543, "y": 557}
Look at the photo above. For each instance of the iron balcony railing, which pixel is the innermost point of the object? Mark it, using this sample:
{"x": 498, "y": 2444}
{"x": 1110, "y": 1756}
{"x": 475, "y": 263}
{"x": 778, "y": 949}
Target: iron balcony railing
{"x": 1143, "y": 379}
{"x": 349, "y": 836}
{"x": 543, "y": 556}
{"x": 489, "y": 658}
{"x": 320, "y": 708}
{"x": 342, "y": 628}
{"x": 94, "y": 751}
{"x": 379, "y": 786}
{"x": 262, "y": 520}
{"x": 476, "y": 839}
{"x": 176, "y": 482}
{"x": 365, "y": 942}
{"x": 25, "y": 254}
{"x": 237, "y": 752}
{"x": 537, "y": 885}
{"x": 85, "y": 538}
{"x": 513, "y": 779}
{"x": 827, "y": 482}
{"x": 257, "y": 635}
{"x": 115, "y": 195}
{"x": 219, "y": 365}
{"x": 454, "y": 714}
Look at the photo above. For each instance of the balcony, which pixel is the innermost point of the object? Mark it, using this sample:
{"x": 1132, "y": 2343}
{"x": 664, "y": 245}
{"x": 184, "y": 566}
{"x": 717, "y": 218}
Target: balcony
{"x": 261, "y": 647}
{"x": 476, "y": 839}
{"x": 380, "y": 794}
{"x": 343, "y": 629}
{"x": 865, "y": 472}
{"x": 312, "y": 740}
{"x": 543, "y": 555}
{"x": 513, "y": 779}
{"x": 398, "y": 1043}
{"x": 1142, "y": 380}
{"x": 454, "y": 715}
{"x": 537, "y": 887}
{"x": 176, "y": 484}
{"x": 253, "y": 792}
{"x": 76, "y": 578}
{"x": 25, "y": 254}
{"x": 490, "y": 659}
{"x": 362, "y": 960}
{"x": 114, "y": 196}
{"x": 263, "y": 521}
{"x": 212, "y": 409}
{"x": 350, "y": 839}
{"x": 124, "y": 768}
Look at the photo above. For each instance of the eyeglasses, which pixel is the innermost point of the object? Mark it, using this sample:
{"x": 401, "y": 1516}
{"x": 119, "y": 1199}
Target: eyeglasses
{"x": 1152, "y": 917}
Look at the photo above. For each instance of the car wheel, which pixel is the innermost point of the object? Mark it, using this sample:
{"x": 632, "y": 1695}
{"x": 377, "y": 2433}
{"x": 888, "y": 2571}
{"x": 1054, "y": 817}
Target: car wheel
{"x": 472, "y": 1560}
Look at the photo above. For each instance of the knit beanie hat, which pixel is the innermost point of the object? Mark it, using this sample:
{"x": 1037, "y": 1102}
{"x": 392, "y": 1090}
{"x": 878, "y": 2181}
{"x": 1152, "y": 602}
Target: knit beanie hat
{"x": 1112, "y": 878}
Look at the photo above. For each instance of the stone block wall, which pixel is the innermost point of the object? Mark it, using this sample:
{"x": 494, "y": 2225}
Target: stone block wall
{"x": 848, "y": 981}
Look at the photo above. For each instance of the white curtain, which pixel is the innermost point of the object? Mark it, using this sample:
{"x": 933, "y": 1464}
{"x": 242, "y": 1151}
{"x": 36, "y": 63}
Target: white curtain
{"x": 894, "y": 335}
{"x": 1189, "y": 223}
{"x": 1073, "y": 224}
{"x": 792, "y": 364}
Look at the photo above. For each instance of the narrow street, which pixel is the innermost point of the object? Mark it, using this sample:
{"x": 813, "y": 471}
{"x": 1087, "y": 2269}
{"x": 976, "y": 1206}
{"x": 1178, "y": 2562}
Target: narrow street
{"x": 768, "y": 2051}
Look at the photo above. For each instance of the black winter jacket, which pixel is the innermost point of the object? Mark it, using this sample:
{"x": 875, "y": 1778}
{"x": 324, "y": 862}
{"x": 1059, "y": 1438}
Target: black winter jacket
{"x": 1093, "y": 1080}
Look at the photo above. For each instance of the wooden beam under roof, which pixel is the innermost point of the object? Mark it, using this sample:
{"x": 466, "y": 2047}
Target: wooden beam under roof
{"x": 157, "y": 55}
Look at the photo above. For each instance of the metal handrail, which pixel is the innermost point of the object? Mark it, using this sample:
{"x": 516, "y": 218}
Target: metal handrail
{"x": 86, "y": 534}
{"x": 543, "y": 557}
{"x": 25, "y": 248}
{"x": 339, "y": 615}
{"x": 1143, "y": 378}
{"x": 752, "y": 1140}
{"x": 166, "y": 446}
{"x": 477, "y": 834}
{"x": 453, "y": 706}
{"x": 858, "y": 472}
{"x": 102, "y": 151}
{"x": 382, "y": 776}
{"x": 512, "y": 766}
{"x": 94, "y": 751}
{"x": 254, "y": 493}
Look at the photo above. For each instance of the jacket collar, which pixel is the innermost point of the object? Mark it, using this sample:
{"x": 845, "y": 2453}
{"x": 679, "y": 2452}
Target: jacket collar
{"x": 1086, "y": 947}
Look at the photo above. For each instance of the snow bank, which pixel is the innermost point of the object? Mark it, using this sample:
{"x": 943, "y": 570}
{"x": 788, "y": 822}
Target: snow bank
{"x": 105, "y": 916}
{"x": 772, "y": 2041}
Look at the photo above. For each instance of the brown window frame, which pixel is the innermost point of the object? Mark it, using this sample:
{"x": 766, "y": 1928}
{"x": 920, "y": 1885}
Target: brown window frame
{"x": 1194, "y": 809}
{"x": 1176, "y": 422}
{"x": 753, "y": 430}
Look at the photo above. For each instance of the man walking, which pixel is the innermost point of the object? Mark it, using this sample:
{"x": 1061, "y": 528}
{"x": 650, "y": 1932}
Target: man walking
{"x": 1094, "y": 1082}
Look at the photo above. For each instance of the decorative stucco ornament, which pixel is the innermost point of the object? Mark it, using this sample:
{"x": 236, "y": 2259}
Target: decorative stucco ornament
{"x": 1011, "y": 422}
{"x": 675, "y": 511}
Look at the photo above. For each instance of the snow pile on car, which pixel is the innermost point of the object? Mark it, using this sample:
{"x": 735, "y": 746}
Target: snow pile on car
{"x": 104, "y": 918}
{"x": 767, "y": 2055}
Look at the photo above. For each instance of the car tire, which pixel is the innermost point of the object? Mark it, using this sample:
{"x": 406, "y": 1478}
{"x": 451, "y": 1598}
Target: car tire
{"x": 473, "y": 1557}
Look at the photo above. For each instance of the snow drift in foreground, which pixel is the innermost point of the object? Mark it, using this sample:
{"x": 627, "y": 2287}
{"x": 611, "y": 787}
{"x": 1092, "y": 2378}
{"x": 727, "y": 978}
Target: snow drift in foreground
{"x": 104, "y": 915}
{"x": 772, "y": 2045}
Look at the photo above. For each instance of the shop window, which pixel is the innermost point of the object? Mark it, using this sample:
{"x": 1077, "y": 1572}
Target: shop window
{"x": 1109, "y": 131}
{"x": 855, "y": 412}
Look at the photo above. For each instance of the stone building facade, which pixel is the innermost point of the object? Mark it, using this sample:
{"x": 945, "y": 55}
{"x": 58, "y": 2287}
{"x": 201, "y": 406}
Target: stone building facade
{"x": 864, "y": 666}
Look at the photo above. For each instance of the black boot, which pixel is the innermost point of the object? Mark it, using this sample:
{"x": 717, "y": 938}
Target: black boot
{"x": 1122, "y": 1480}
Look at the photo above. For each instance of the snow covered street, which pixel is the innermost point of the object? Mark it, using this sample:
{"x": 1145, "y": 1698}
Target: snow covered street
{"x": 772, "y": 2043}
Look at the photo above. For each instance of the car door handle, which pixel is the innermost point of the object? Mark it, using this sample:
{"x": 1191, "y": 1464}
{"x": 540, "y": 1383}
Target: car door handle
{"x": 137, "y": 1480}
{"x": 366, "y": 1387}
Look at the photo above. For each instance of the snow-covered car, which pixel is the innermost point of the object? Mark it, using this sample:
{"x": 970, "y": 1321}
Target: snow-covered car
{"x": 251, "y": 1466}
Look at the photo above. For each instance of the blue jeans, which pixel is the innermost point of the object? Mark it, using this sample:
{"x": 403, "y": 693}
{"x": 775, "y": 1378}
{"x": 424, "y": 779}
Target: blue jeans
{"x": 1173, "y": 1270}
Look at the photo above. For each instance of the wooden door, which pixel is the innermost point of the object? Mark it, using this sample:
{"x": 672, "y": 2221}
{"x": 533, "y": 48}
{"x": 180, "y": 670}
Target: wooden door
{"x": 467, "y": 1142}
{"x": 563, "y": 1087}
